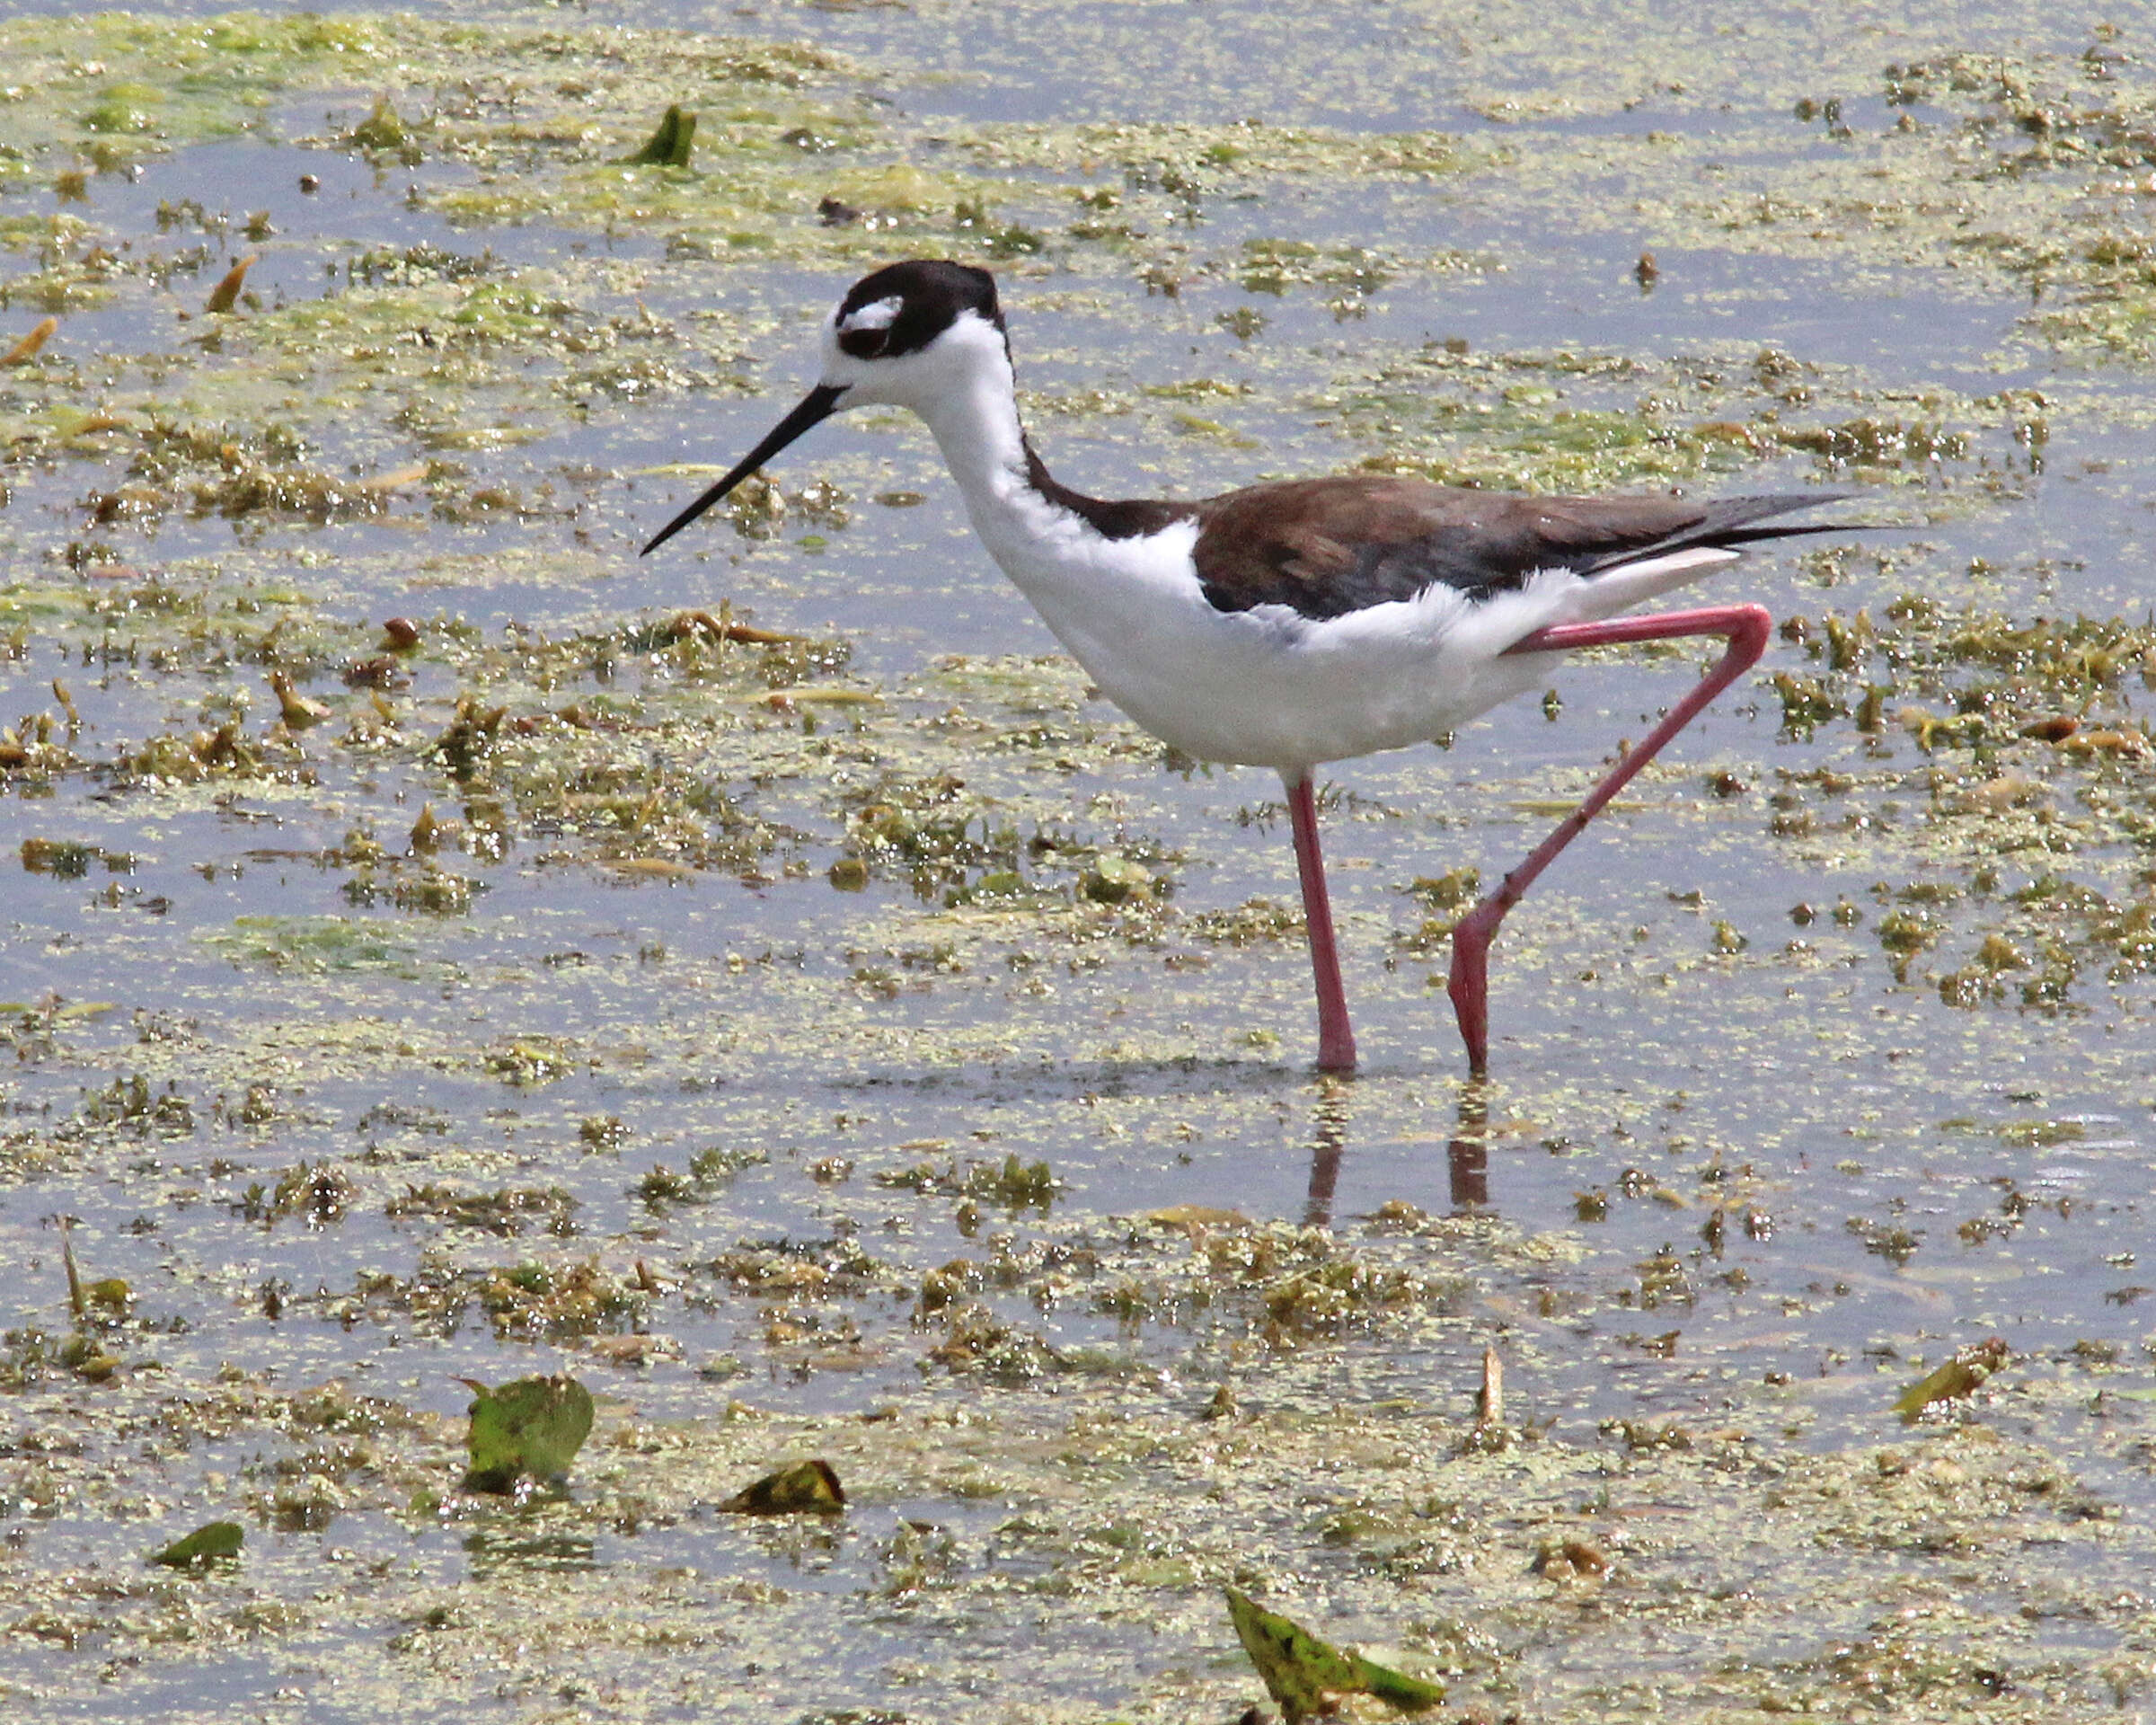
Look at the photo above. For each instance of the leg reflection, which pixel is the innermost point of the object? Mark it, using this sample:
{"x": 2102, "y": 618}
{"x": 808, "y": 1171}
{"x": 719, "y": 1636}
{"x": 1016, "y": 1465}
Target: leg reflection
{"x": 1468, "y": 1152}
{"x": 1467, "y": 1156}
{"x": 1325, "y": 1157}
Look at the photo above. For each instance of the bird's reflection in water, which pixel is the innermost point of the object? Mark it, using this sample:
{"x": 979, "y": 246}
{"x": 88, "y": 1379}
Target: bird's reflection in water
{"x": 1467, "y": 1156}
{"x": 1325, "y": 1155}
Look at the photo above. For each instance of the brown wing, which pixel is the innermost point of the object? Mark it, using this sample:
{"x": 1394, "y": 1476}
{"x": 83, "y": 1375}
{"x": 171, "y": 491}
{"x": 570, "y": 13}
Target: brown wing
{"x": 1326, "y": 547}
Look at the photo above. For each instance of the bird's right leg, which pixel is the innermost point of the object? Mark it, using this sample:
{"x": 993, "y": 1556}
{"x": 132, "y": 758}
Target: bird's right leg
{"x": 1745, "y": 628}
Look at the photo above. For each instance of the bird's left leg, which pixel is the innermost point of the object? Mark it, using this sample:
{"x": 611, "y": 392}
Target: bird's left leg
{"x": 1335, "y": 1040}
{"x": 1745, "y": 628}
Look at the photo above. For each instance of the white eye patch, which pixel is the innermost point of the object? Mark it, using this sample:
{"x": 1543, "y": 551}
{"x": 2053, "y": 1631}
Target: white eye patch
{"x": 877, "y": 314}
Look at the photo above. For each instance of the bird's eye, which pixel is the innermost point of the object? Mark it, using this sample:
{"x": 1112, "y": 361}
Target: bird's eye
{"x": 864, "y": 330}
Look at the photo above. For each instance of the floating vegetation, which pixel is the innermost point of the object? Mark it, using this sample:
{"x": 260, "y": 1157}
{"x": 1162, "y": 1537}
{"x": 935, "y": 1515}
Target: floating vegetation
{"x": 134, "y": 1104}
{"x": 2031, "y": 745}
{"x": 225, "y": 294}
{"x": 319, "y": 1196}
{"x": 66, "y": 860}
{"x": 1958, "y": 1378}
{"x": 314, "y": 945}
{"x": 506, "y": 1211}
{"x": 1306, "y": 1677}
{"x": 557, "y": 1300}
{"x": 805, "y": 1488}
{"x": 670, "y": 145}
{"x": 214, "y": 1541}
{"x": 527, "y": 1432}
{"x": 529, "y": 1061}
{"x": 384, "y": 130}
{"x": 29, "y": 345}
{"x": 1254, "y": 921}
{"x": 1013, "y": 1183}
{"x": 1568, "y": 421}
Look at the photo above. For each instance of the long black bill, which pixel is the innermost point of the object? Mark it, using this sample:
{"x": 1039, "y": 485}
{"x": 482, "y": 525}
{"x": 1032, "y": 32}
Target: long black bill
{"x": 819, "y": 405}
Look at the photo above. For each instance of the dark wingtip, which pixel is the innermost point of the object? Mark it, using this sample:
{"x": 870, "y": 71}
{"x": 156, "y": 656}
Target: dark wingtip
{"x": 1726, "y": 524}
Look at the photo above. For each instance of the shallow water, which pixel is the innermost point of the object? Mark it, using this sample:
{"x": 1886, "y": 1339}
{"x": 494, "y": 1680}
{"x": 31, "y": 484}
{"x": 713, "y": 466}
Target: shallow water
{"x": 1824, "y": 1055}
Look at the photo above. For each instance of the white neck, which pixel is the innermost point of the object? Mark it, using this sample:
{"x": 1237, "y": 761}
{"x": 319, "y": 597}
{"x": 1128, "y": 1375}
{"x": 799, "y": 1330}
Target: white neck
{"x": 1048, "y": 540}
{"x": 976, "y": 428}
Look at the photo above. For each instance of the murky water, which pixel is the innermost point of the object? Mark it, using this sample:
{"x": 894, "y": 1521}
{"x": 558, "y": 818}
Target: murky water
{"x": 742, "y": 1027}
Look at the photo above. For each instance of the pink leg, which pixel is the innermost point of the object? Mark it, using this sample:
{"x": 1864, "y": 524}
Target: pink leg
{"x": 1335, "y": 1040}
{"x": 1744, "y": 627}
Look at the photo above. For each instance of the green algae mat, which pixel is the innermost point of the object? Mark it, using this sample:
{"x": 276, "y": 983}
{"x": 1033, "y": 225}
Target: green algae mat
{"x": 848, "y": 1093}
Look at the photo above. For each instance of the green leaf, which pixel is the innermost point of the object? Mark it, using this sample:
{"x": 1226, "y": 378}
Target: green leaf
{"x": 807, "y": 1488}
{"x": 211, "y": 1541}
{"x": 1960, "y": 1376}
{"x": 668, "y": 146}
{"x": 1303, "y": 1674}
{"x": 381, "y": 130}
{"x": 1409, "y": 1694}
{"x": 530, "y": 1429}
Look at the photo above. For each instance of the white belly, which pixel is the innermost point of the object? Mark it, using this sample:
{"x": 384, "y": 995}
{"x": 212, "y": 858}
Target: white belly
{"x": 1269, "y": 687}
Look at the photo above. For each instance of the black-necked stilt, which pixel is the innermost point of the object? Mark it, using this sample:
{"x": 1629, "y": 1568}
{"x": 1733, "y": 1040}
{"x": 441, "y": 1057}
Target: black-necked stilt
{"x": 1296, "y": 623}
